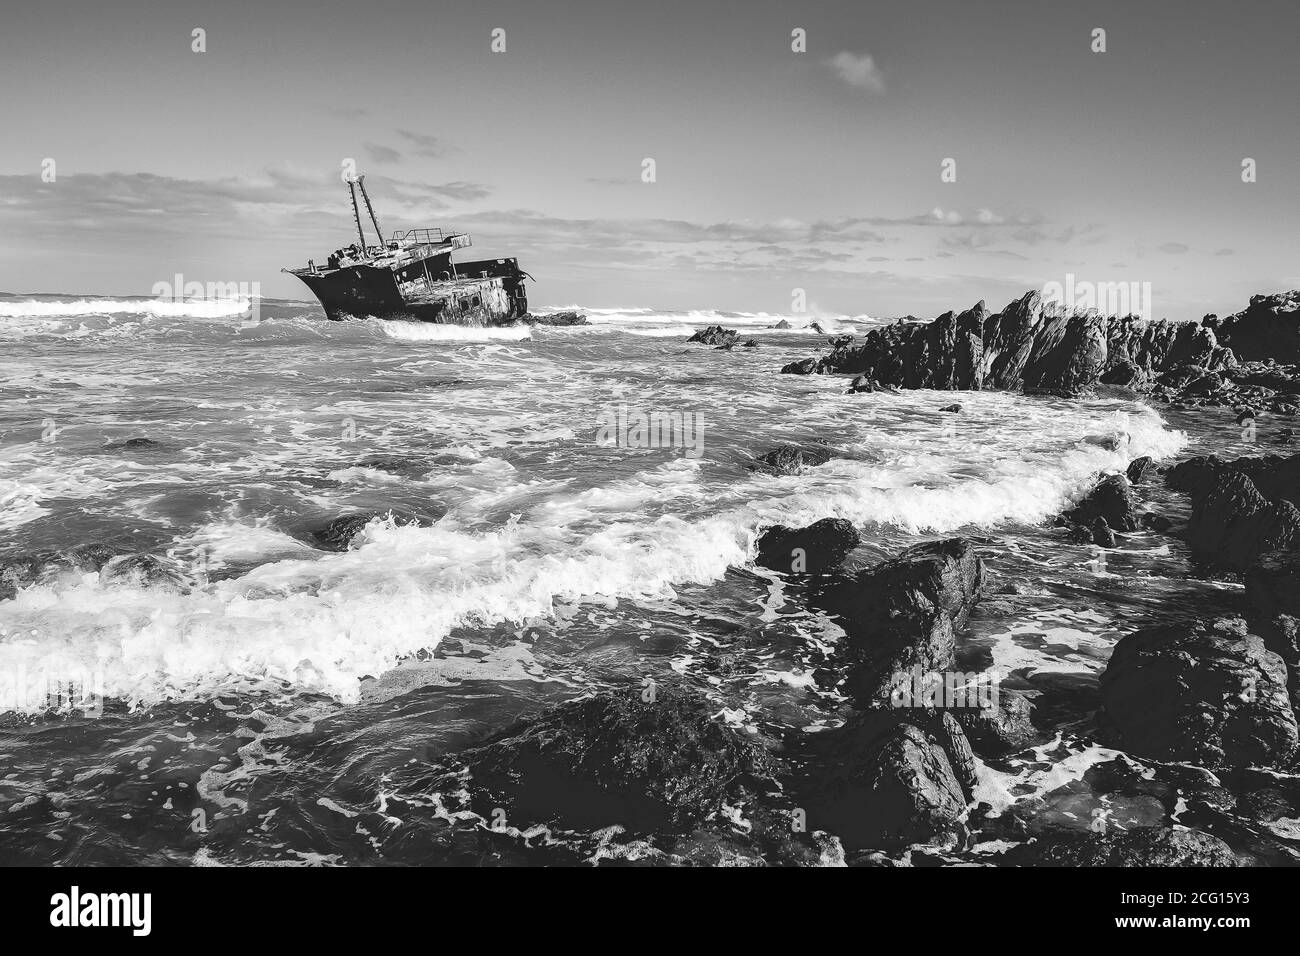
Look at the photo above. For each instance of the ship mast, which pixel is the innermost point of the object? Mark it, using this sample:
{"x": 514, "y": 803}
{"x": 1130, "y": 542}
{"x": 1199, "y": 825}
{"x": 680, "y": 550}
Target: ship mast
{"x": 356, "y": 214}
{"x": 361, "y": 181}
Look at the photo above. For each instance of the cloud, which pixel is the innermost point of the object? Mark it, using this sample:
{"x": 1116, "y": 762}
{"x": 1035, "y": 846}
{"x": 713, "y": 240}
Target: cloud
{"x": 1174, "y": 248}
{"x": 382, "y": 154}
{"x": 859, "y": 71}
{"x": 1224, "y": 252}
{"x": 424, "y": 143}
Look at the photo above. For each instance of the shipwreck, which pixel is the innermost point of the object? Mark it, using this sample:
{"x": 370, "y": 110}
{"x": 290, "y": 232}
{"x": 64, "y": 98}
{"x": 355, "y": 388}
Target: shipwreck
{"x": 412, "y": 276}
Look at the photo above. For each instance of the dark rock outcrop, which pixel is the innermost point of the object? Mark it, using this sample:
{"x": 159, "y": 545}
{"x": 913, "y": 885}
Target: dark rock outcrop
{"x": 815, "y": 549}
{"x": 1001, "y": 729}
{"x": 1269, "y": 328}
{"x": 643, "y": 760}
{"x": 902, "y": 614}
{"x": 1273, "y": 596}
{"x": 1145, "y": 846}
{"x": 1241, "y": 508}
{"x": 888, "y": 779}
{"x": 1139, "y": 469}
{"x": 1112, "y": 500}
{"x": 1210, "y": 694}
{"x": 715, "y": 335}
{"x": 1027, "y": 346}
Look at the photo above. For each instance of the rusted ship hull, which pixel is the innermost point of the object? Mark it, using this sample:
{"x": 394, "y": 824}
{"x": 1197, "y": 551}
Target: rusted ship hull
{"x": 490, "y": 292}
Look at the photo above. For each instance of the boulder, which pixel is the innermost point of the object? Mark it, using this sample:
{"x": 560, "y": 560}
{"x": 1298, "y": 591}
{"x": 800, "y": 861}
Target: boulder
{"x": 886, "y": 780}
{"x": 1207, "y": 693}
{"x": 815, "y": 549}
{"x": 1001, "y": 729}
{"x": 1112, "y": 500}
{"x": 640, "y": 759}
{"x": 1139, "y": 469}
{"x": 902, "y": 614}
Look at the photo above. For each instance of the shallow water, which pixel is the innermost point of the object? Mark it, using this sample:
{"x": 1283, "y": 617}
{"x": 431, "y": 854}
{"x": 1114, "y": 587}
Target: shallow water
{"x": 266, "y": 705}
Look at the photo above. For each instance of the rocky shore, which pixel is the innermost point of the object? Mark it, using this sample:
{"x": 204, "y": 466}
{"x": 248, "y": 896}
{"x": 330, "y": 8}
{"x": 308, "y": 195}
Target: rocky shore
{"x": 1205, "y": 705}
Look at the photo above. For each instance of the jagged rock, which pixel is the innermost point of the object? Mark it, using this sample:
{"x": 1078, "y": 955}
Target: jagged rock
{"x": 1027, "y": 346}
{"x": 715, "y": 335}
{"x": 750, "y": 344}
{"x": 885, "y": 780}
{"x": 816, "y": 549}
{"x": 783, "y": 324}
{"x": 1145, "y": 846}
{"x": 1205, "y": 693}
{"x": 615, "y": 758}
{"x": 993, "y": 731}
{"x": 1232, "y": 523}
{"x": 1138, "y": 469}
{"x": 1269, "y": 328}
{"x": 902, "y": 614}
{"x": 1111, "y": 499}
{"x": 1273, "y": 596}
{"x": 1102, "y": 535}
{"x": 862, "y": 383}
{"x": 791, "y": 459}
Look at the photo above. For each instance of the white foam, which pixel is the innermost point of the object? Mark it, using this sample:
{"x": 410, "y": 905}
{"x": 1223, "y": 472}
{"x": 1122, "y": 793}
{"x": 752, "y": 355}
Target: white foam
{"x": 434, "y": 332}
{"x": 161, "y": 308}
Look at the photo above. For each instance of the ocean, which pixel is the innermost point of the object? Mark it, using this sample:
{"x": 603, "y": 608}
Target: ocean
{"x": 260, "y": 698}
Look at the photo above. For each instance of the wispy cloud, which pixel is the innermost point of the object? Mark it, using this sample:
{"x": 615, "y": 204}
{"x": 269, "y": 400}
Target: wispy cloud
{"x": 424, "y": 144}
{"x": 382, "y": 154}
{"x": 858, "y": 70}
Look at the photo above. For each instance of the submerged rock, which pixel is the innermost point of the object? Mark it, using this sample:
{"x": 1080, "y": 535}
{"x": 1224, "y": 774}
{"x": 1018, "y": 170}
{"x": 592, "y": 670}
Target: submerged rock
{"x": 1112, "y": 500}
{"x": 1206, "y": 693}
{"x": 642, "y": 760}
{"x": 141, "y": 571}
{"x": 791, "y": 459}
{"x": 557, "y": 318}
{"x": 902, "y": 615}
{"x": 815, "y": 549}
{"x": 337, "y": 534}
{"x": 715, "y": 335}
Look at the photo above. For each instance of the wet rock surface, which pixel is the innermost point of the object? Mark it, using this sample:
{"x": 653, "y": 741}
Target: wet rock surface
{"x": 643, "y": 758}
{"x": 902, "y": 615}
{"x": 816, "y": 549}
{"x": 1208, "y": 693}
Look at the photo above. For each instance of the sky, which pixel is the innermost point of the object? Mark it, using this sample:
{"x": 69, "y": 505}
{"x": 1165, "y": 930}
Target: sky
{"x": 775, "y": 169}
